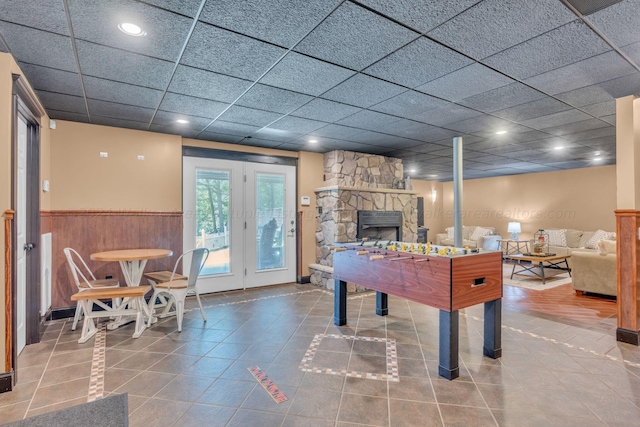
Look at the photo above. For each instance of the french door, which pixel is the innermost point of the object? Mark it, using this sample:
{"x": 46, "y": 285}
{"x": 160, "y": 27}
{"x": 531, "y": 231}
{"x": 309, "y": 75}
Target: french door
{"x": 244, "y": 213}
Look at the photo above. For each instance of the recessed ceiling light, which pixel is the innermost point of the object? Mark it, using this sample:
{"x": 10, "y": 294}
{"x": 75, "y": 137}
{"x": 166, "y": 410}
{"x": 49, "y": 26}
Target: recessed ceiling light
{"x": 501, "y": 132}
{"x": 597, "y": 159}
{"x": 313, "y": 141}
{"x": 182, "y": 121}
{"x": 433, "y": 176}
{"x": 412, "y": 170}
{"x": 131, "y": 29}
{"x": 559, "y": 147}
{"x": 597, "y": 153}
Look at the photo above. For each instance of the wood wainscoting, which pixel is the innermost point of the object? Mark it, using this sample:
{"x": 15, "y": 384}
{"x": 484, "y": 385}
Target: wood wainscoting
{"x": 95, "y": 231}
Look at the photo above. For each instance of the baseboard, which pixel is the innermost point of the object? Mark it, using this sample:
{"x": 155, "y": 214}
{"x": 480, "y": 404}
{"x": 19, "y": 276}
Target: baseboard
{"x": 303, "y": 279}
{"x": 6, "y": 382}
{"x": 61, "y": 313}
{"x": 630, "y": 337}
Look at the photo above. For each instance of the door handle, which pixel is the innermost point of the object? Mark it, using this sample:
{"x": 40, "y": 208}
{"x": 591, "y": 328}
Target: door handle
{"x": 29, "y": 246}
{"x": 292, "y": 231}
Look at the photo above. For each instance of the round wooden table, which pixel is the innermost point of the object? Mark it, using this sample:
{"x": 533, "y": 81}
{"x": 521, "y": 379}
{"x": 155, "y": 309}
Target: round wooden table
{"x": 132, "y": 261}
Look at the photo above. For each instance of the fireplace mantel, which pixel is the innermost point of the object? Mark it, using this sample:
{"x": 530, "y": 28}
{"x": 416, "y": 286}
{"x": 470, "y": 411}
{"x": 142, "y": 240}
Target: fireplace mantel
{"x": 365, "y": 189}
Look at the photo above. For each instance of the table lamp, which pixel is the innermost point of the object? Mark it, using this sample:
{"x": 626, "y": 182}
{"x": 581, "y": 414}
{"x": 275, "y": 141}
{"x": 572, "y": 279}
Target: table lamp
{"x": 514, "y": 229}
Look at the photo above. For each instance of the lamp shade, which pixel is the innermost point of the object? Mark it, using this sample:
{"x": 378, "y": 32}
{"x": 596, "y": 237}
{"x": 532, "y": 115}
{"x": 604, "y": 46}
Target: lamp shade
{"x": 514, "y": 227}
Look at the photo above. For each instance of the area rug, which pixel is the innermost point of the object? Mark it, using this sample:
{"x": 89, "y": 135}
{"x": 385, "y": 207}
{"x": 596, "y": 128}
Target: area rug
{"x": 527, "y": 280}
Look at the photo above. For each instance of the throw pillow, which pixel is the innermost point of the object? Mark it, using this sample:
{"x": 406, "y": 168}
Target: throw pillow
{"x": 479, "y": 232}
{"x": 597, "y": 236}
{"x": 449, "y": 231}
{"x": 606, "y": 247}
{"x": 557, "y": 237}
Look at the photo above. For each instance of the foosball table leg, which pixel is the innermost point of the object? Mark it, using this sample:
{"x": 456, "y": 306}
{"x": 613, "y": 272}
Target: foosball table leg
{"x": 493, "y": 329}
{"x": 340, "y": 302}
{"x": 448, "y": 363}
{"x": 382, "y": 304}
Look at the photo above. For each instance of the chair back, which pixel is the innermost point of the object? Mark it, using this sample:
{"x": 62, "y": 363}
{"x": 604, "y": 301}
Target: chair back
{"x": 198, "y": 258}
{"x": 76, "y": 270}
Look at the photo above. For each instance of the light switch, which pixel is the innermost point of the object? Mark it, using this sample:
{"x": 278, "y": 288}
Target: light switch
{"x": 305, "y": 201}
{"x": 104, "y": 154}
{"x": 45, "y": 185}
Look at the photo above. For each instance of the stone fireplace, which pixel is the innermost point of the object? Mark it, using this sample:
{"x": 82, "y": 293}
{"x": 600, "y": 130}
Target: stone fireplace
{"x": 360, "y": 186}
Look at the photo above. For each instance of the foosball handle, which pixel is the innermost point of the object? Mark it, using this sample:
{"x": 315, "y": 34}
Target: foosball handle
{"x": 339, "y": 249}
{"x": 362, "y": 252}
{"x": 376, "y": 257}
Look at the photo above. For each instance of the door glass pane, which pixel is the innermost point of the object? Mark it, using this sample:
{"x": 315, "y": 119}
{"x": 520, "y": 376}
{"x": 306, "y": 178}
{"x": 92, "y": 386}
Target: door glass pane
{"x": 269, "y": 221}
{"x": 212, "y": 219}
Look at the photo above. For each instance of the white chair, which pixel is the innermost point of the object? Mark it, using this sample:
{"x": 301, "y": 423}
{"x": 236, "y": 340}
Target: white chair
{"x": 81, "y": 278}
{"x": 177, "y": 288}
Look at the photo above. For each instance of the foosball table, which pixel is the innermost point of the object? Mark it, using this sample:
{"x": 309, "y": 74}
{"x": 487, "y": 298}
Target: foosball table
{"x": 445, "y": 278}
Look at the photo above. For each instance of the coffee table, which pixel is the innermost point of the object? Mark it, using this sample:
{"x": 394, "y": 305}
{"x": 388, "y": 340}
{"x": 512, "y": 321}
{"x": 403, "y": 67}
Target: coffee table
{"x": 539, "y": 263}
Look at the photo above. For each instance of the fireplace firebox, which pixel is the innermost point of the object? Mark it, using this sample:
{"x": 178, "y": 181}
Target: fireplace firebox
{"x": 380, "y": 225}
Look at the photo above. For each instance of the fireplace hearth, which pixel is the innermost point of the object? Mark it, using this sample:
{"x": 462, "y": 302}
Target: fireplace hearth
{"x": 379, "y": 225}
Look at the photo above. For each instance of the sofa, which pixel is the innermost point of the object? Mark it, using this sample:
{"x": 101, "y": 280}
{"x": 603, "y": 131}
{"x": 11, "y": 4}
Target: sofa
{"x": 576, "y": 240}
{"x": 468, "y": 237}
{"x": 595, "y": 271}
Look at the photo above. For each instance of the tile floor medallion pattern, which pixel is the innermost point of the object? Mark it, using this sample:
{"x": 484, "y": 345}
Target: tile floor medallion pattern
{"x": 391, "y": 356}
{"x": 270, "y": 387}
{"x": 96, "y": 384}
{"x": 561, "y": 365}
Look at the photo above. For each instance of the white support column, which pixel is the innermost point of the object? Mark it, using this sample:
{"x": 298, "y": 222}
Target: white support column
{"x": 457, "y": 191}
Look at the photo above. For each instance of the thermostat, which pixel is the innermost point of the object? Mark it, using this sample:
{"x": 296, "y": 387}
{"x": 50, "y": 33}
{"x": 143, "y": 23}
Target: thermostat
{"x": 305, "y": 201}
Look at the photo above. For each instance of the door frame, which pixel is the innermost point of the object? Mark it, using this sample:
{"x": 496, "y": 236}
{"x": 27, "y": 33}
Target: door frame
{"x": 243, "y": 156}
{"x": 26, "y": 106}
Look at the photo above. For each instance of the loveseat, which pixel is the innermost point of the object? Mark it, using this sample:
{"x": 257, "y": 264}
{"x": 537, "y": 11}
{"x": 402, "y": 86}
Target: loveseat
{"x": 471, "y": 236}
{"x": 575, "y": 240}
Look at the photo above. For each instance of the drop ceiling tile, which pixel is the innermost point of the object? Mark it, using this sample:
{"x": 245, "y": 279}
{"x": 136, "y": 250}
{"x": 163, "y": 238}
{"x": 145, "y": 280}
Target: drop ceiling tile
{"x": 609, "y": 119}
{"x": 258, "y": 142}
{"x": 556, "y": 119}
{"x": 503, "y": 24}
{"x": 382, "y": 140}
{"x": 502, "y": 97}
{"x": 273, "y": 99}
{"x": 65, "y": 115}
{"x": 52, "y": 80}
{"x": 531, "y": 110}
{"x": 594, "y": 70}
{"x": 633, "y": 51}
{"x": 273, "y": 134}
{"x": 363, "y": 91}
{"x": 336, "y": 132}
{"x": 167, "y": 118}
{"x": 426, "y": 148}
{"x": 39, "y": 47}
{"x": 584, "y": 96}
{"x": 114, "y": 64}
{"x": 282, "y": 22}
{"x": 192, "y": 106}
{"x": 409, "y": 104}
{"x": 305, "y": 75}
{"x": 418, "y": 131}
{"x": 570, "y": 43}
{"x": 97, "y": 22}
{"x": 512, "y": 130}
{"x": 229, "y": 128}
{"x": 623, "y": 86}
{"x": 595, "y": 133}
{"x": 244, "y": 57}
{"x": 419, "y": 14}
{"x": 619, "y": 22}
{"x": 220, "y": 137}
{"x": 184, "y": 7}
{"x": 576, "y": 127}
{"x": 118, "y": 111}
{"x": 324, "y": 110}
{"x": 206, "y": 84}
{"x": 369, "y": 120}
{"x": 118, "y": 123}
{"x": 249, "y": 116}
{"x": 354, "y": 37}
{"x": 296, "y": 124}
{"x": 479, "y": 123}
{"x": 465, "y": 82}
{"x": 175, "y": 130}
{"x": 601, "y": 109}
{"x": 418, "y": 63}
{"x": 49, "y": 15}
{"x": 448, "y": 114}
{"x": 107, "y": 90}
{"x": 62, "y": 102}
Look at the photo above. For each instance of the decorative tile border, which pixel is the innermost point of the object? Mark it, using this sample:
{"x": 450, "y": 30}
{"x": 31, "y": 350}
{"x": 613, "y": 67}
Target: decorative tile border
{"x": 96, "y": 383}
{"x": 391, "y": 356}
{"x": 266, "y": 383}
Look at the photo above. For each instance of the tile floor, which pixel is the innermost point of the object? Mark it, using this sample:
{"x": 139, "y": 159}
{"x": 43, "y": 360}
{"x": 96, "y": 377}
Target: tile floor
{"x": 552, "y": 373}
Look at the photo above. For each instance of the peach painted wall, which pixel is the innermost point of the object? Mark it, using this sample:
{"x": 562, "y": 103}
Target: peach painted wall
{"x": 583, "y": 199}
